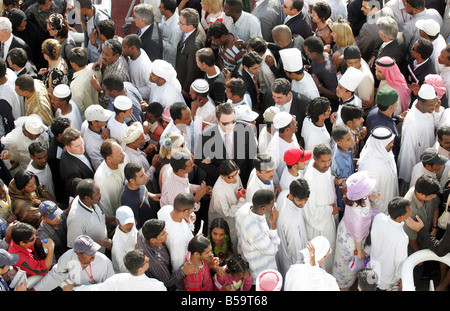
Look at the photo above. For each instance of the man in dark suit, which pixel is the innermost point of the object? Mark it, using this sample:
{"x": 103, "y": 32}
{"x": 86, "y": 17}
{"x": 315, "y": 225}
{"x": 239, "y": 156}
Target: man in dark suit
{"x": 148, "y": 30}
{"x": 393, "y": 43}
{"x": 297, "y": 18}
{"x": 282, "y": 97}
{"x": 251, "y": 63}
{"x": 193, "y": 40}
{"x": 17, "y": 60}
{"x": 74, "y": 163}
{"x": 8, "y": 41}
{"x": 54, "y": 153}
{"x": 228, "y": 139}
{"x": 421, "y": 64}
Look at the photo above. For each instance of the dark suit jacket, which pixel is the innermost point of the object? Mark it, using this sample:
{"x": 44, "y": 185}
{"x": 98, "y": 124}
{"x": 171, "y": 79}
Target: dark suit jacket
{"x": 421, "y": 72}
{"x": 301, "y": 25}
{"x": 19, "y": 43}
{"x": 297, "y": 42}
{"x": 152, "y": 42}
{"x": 53, "y": 163}
{"x": 252, "y": 90}
{"x": 298, "y": 109}
{"x": 185, "y": 63}
{"x": 70, "y": 167}
{"x": 212, "y": 146}
{"x": 397, "y": 50}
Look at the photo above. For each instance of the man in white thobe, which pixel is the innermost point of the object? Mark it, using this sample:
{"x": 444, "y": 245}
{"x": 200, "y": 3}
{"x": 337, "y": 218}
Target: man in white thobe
{"x": 291, "y": 227}
{"x": 261, "y": 177}
{"x": 378, "y": 159}
{"x": 321, "y": 209}
{"x": 166, "y": 87}
{"x": 418, "y": 133}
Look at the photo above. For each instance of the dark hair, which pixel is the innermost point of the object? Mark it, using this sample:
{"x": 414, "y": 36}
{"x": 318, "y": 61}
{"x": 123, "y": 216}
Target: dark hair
{"x": 78, "y": 56}
{"x": 115, "y": 46}
{"x": 183, "y": 201}
{"x": 113, "y": 82}
{"x": 23, "y": 177}
{"x": 424, "y": 47}
{"x": 237, "y": 87}
{"x": 170, "y": 5}
{"x": 156, "y": 109}
{"x": 314, "y": 44}
{"x": 107, "y": 28}
{"x": 416, "y": 4}
{"x": 3, "y": 67}
{"x": 351, "y": 112}
{"x": 226, "y": 167}
{"x": 176, "y": 110}
{"x": 134, "y": 260}
{"x": 427, "y": 185}
{"x": 217, "y": 29}
{"x": 258, "y": 44}
{"x": 22, "y": 232}
{"x": 251, "y": 58}
{"x": 85, "y": 4}
{"x": 198, "y": 244}
{"x": 221, "y": 224}
{"x": 224, "y": 108}
{"x": 131, "y": 169}
{"x": 206, "y": 55}
{"x": 152, "y": 228}
{"x": 262, "y": 197}
{"x": 235, "y": 5}
{"x": 281, "y": 86}
{"x": 299, "y": 189}
{"x": 25, "y": 82}
{"x": 59, "y": 23}
{"x": 321, "y": 149}
{"x": 317, "y": 107}
{"x": 397, "y": 207}
{"x": 322, "y": 9}
{"x": 106, "y": 149}
{"x": 263, "y": 161}
{"x": 18, "y": 57}
{"x": 85, "y": 188}
{"x": 339, "y": 132}
{"x": 367, "y": 279}
{"x": 237, "y": 264}
{"x": 36, "y": 147}
{"x": 132, "y": 40}
{"x": 178, "y": 160}
{"x": 443, "y": 130}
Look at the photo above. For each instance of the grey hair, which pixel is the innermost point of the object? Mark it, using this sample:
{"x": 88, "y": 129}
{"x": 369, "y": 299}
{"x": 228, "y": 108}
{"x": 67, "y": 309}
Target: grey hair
{"x": 5, "y": 24}
{"x": 191, "y": 16}
{"x": 388, "y": 27}
{"x": 145, "y": 12}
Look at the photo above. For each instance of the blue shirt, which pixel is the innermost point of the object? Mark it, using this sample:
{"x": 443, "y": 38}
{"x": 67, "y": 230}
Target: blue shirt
{"x": 376, "y": 118}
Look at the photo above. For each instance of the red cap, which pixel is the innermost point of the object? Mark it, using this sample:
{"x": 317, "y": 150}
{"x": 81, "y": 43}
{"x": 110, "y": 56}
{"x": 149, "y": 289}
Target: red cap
{"x": 295, "y": 155}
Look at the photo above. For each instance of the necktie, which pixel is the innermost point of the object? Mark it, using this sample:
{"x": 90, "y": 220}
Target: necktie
{"x": 139, "y": 32}
{"x": 229, "y": 145}
{"x": 2, "y": 55}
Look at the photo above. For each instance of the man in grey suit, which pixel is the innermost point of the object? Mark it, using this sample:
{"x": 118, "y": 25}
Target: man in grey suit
{"x": 270, "y": 14}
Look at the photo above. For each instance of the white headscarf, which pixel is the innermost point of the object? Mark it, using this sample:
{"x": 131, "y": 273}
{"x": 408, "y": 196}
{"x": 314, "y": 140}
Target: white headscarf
{"x": 321, "y": 247}
{"x": 165, "y": 70}
{"x": 374, "y": 152}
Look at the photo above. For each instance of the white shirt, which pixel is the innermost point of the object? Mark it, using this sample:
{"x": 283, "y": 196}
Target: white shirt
{"x": 74, "y": 116}
{"x": 287, "y": 178}
{"x": 69, "y": 269}
{"x": 126, "y": 282}
{"x": 111, "y": 183}
{"x": 438, "y": 45}
{"x": 140, "y": 70}
{"x": 304, "y": 277}
{"x": 92, "y": 144}
{"x": 166, "y": 95}
{"x": 8, "y": 93}
{"x": 122, "y": 244}
{"x": 6, "y": 46}
{"x": 178, "y": 239}
{"x": 314, "y": 135}
{"x": 445, "y": 74}
{"x": 356, "y": 101}
{"x": 116, "y": 129}
{"x": 254, "y": 184}
{"x": 276, "y": 148}
{"x": 388, "y": 251}
{"x": 266, "y": 76}
{"x": 419, "y": 170}
{"x": 246, "y": 27}
{"x": 306, "y": 86}
{"x": 207, "y": 112}
{"x": 45, "y": 177}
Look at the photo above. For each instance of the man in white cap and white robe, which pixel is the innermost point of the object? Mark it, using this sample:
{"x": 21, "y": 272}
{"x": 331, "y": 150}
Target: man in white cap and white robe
{"x": 268, "y": 130}
{"x": 378, "y": 159}
{"x": 166, "y": 88}
{"x": 203, "y": 107}
{"x": 418, "y": 133}
{"x": 321, "y": 210}
{"x": 283, "y": 140}
{"x": 347, "y": 85}
{"x": 261, "y": 177}
{"x": 27, "y": 129}
{"x": 301, "y": 81}
{"x": 122, "y": 111}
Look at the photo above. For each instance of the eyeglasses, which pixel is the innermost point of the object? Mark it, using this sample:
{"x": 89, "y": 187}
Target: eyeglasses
{"x": 228, "y": 123}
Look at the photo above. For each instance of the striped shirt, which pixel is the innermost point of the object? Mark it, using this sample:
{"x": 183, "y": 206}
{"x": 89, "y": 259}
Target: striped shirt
{"x": 232, "y": 53}
{"x": 200, "y": 281}
{"x": 257, "y": 243}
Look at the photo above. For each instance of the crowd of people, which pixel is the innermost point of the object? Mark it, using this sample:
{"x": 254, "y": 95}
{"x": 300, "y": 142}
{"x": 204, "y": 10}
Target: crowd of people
{"x": 227, "y": 145}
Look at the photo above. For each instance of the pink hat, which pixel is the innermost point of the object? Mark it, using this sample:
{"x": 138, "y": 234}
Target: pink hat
{"x": 359, "y": 185}
{"x": 166, "y": 115}
{"x": 269, "y": 281}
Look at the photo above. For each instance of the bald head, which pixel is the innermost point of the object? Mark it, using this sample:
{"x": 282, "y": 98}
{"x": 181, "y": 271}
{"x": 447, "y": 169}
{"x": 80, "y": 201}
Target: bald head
{"x": 282, "y": 35}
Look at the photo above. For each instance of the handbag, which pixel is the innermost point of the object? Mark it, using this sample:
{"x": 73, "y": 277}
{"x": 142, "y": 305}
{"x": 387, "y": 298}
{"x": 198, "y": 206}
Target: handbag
{"x": 357, "y": 264}
{"x": 444, "y": 218}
